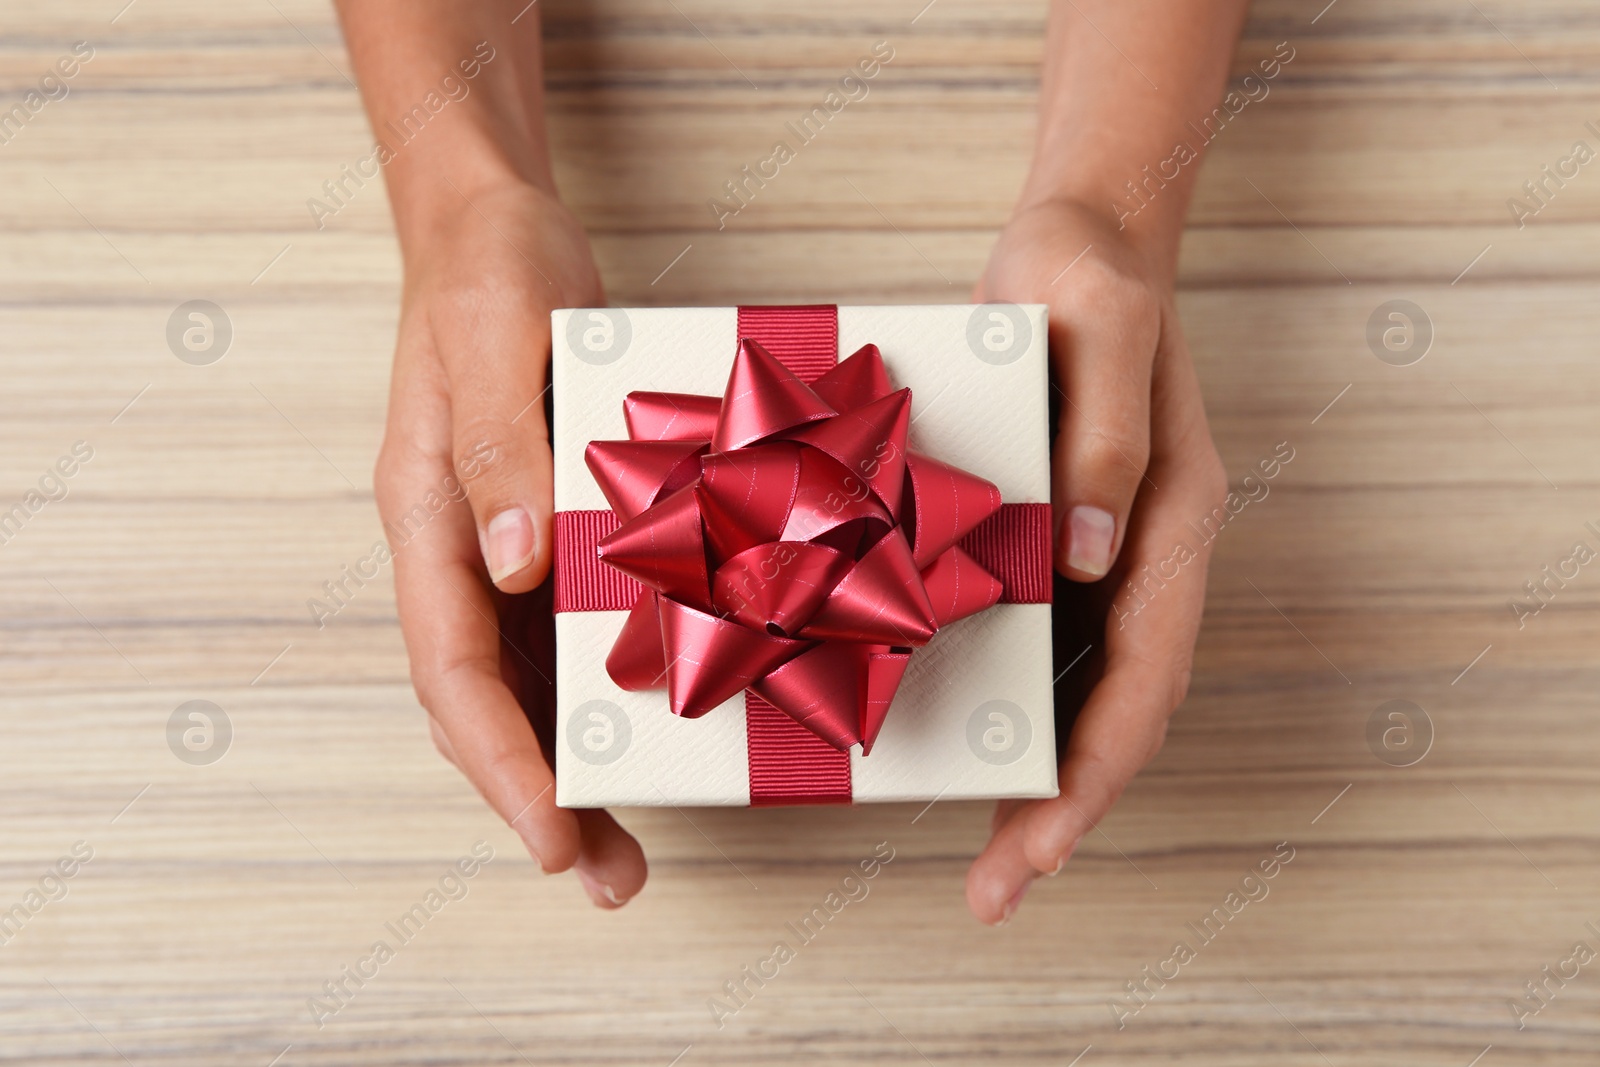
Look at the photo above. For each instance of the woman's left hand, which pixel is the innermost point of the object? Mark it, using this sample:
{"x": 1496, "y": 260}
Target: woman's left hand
{"x": 1133, "y": 465}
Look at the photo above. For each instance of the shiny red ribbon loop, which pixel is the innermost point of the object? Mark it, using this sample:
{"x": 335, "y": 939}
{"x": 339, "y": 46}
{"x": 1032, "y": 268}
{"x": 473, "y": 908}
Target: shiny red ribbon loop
{"x": 784, "y": 541}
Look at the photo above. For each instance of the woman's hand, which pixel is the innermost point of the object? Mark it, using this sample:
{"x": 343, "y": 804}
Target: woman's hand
{"x": 1133, "y": 464}
{"x": 464, "y": 489}
{"x": 464, "y": 477}
{"x": 1126, "y": 85}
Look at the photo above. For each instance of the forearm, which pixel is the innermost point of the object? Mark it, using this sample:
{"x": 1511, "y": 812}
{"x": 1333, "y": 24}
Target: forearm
{"x": 455, "y": 96}
{"x": 1122, "y": 82}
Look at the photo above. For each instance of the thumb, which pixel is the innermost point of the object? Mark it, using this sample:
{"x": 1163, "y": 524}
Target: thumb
{"x": 497, "y": 362}
{"x": 1102, "y": 363}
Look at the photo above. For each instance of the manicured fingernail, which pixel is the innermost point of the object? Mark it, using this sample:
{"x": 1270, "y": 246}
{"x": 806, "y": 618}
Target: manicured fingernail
{"x": 595, "y": 886}
{"x": 1090, "y": 531}
{"x": 1060, "y": 863}
{"x": 1011, "y": 905}
{"x": 508, "y": 543}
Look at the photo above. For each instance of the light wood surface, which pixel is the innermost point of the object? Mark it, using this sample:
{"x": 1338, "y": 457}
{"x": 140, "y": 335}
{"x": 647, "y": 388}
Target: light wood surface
{"x": 220, "y": 898}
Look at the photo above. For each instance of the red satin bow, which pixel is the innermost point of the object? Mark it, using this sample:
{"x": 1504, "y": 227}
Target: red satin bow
{"x": 788, "y": 543}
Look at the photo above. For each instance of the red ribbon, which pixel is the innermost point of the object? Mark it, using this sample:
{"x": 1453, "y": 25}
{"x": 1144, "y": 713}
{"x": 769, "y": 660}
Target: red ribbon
{"x": 783, "y": 541}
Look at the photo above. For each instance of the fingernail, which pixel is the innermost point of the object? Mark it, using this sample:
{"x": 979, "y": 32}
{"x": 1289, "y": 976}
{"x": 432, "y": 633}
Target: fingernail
{"x": 1072, "y": 846}
{"x": 508, "y": 543}
{"x": 1090, "y": 531}
{"x": 594, "y": 885}
{"x": 1011, "y": 905}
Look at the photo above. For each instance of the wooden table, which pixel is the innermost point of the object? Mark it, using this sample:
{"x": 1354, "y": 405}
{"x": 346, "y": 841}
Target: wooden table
{"x": 1381, "y": 565}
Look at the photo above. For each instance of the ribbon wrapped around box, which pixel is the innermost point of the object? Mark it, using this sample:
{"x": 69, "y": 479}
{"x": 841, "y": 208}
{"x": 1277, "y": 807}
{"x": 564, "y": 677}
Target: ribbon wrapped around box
{"x": 781, "y": 538}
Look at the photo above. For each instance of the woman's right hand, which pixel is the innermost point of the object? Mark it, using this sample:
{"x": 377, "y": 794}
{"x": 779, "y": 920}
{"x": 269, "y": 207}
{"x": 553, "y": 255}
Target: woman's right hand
{"x": 463, "y": 485}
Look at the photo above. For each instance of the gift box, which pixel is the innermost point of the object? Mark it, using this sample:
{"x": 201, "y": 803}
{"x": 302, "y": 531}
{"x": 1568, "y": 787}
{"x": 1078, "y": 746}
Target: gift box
{"x": 802, "y": 555}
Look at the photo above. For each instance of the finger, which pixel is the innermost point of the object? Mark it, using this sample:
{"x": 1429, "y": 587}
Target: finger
{"x": 494, "y": 345}
{"x": 612, "y": 866}
{"x": 1003, "y": 810}
{"x": 442, "y": 742}
{"x": 1116, "y": 733}
{"x": 448, "y": 621}
{"x": 1148, "y": 653}
{"x": 1150, "y": 632}
{"x": 1000, "y": 876}
{"x": 454, "y": 647}
{"x": 1119, "y": 731}
{"x": 1103, "y": 335}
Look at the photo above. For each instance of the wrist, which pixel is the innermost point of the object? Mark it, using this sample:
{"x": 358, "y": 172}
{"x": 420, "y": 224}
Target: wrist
{"x": 1149, "y": 249}
{"x": 430, "y": 189}
{"x": 1146, "y": 212}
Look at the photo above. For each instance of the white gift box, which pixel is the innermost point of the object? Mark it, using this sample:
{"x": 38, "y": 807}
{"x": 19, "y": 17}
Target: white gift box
{"x": 973, "y": 716}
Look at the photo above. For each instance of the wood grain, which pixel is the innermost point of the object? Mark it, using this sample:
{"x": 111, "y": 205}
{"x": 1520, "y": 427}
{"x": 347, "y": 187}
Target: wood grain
{"x": 1381, "y": 563}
